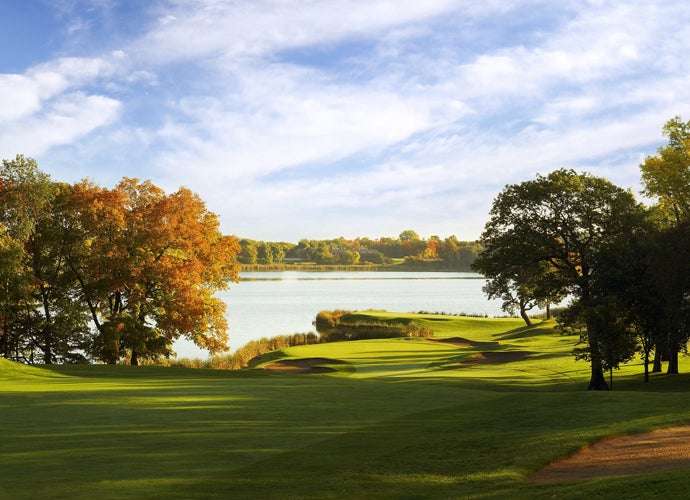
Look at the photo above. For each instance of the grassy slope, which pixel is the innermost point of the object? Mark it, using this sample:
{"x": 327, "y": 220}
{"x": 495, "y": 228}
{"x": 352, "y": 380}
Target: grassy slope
{"x": 402, "y": 419}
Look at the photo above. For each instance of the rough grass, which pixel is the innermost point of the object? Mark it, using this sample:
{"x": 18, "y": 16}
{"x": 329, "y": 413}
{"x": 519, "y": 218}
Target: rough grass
{"x": 400, "y": 418}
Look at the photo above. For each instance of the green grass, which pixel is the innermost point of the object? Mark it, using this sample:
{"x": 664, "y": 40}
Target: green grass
{"x": 400, "y": 418}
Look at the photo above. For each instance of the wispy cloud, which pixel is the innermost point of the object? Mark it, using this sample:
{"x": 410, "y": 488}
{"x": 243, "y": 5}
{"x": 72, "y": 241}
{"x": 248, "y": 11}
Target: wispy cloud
{"x": 347, "y": 114}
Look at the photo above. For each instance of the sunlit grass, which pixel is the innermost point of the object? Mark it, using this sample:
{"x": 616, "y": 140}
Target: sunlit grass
{"x": 400, "y": 418}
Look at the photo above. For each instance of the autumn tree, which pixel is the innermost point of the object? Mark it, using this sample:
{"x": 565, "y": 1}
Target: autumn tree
{"x": 149, "y": 269}
{"x": 562, "y": 220}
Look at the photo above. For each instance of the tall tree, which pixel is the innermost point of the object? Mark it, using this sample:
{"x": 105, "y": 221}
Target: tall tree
{"x": 26, "y": 195}
{"x": 150, "y": 268}
{"x": 666, "y": 175}
{"x": 64, "y": 321}
{"x": 562, "y": 219}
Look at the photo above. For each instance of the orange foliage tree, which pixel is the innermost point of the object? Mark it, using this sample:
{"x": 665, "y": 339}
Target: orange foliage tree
{"x": 149, "y": 267}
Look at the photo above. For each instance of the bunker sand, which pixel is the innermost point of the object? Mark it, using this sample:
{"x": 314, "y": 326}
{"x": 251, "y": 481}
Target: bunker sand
{"x": 657, "y": 451}
{"x": 463, "y": 342}
{"x": 303, "y": 365}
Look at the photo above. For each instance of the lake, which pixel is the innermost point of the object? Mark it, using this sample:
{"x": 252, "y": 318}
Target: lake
{"x": 267, "y": 304}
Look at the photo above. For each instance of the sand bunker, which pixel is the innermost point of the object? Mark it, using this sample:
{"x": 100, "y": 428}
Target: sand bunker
{"x": 303, "y": 365}
{"x": 495, "y": 358}
{"x": 657, "y": 451}
{"x": 462, "y": 342}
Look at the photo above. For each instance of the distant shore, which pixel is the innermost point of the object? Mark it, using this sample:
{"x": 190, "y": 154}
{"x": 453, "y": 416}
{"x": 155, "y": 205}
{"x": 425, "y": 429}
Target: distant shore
{"x": 308, "y": 267}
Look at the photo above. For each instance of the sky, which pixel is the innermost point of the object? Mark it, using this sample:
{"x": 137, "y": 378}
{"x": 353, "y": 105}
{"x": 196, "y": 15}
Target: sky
{"x": 324, "y": 118}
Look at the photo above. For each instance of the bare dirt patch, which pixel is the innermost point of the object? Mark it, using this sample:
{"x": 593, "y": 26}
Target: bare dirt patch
{"x": 495, "y": 358}
{"x": 303, "y": 365}
{"x": 657, "y": 451}
{"x": 462, "y": 342}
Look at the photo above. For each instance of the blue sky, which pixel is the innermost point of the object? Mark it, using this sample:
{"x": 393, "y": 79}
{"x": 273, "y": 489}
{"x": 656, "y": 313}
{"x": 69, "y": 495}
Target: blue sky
{"x": 318, "y": 119}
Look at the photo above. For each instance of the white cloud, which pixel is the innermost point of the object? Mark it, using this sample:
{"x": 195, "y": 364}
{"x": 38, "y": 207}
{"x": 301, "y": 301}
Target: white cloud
{"x": 63, "y": 121}
{"x": 236, "y": 29}
{"x": 410, "y": 109}
{"x": 45, "y": 106}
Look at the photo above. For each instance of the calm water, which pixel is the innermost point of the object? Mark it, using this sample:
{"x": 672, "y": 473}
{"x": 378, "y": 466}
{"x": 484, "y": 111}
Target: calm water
{"x": 266, "y": 304}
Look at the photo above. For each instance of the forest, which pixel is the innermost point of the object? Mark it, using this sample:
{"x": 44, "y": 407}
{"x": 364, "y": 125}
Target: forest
{"x": 407, "y": 250}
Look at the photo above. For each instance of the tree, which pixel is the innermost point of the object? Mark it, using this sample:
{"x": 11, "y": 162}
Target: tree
{"x": 26, "y": 195}
{"x": 249, "y": 253}
{"x": 264, "y": 253}
{"x": 629, "y": 280}
{"x": 409, "y": 235}
{"x": 349, "y": 257}
{"x": 64, "y": 324}
{"x": 616, "y": 342}
{"x": 522, "y": 286}
{"x": 667, "y": 174}
{"x": 562, "y": 219}
{"x": 149, "y": 269}
{"x": 670, "y": 272}
{"x": 667, "y": 177}
{"x": 15, "y": 290}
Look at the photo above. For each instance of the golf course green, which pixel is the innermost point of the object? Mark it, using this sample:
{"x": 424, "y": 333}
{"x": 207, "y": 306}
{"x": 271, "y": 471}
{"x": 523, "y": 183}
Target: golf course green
{"x": 471, "y": 413}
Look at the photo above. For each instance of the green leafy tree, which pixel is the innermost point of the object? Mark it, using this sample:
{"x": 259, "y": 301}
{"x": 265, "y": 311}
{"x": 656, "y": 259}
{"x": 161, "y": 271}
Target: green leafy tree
{"x": 616, "y": 339}
{"x": 520, "y": 287}
{"x": 264, "y": 253}
{"x": 667, "y": 174}
{"x": 26, "y": 196}
{"x": 670, "y": 271}
{"x": 349, "y": 257}
{"x": 562, "y": 219}
{"x": 248, "y": 253}
{"x": 64, "y": 330}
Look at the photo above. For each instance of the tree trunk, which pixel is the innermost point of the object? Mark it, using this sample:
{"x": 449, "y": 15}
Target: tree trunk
{"x": 646, "y": 365}
{"x": 135, "y": 358}
{"x": 548, "y": 311}
{"x": 525, "y": 316}
{"x": 659, "y": 357}
{"x": 673, "y": 362}
{"x": 47, "y": 347}
{"x": 597, "y": 382}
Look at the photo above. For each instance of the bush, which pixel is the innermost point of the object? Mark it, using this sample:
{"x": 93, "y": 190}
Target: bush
{"x": 332, "y": 328}
{"x": 246, "y": 355}
{"x": 376, "y": 330}
{"x": 328, "y": 320}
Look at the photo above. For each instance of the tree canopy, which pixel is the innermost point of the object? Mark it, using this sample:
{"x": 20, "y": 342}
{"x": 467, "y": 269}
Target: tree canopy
{"x": 546, "y": 235}
{"x": 108, "y": 274}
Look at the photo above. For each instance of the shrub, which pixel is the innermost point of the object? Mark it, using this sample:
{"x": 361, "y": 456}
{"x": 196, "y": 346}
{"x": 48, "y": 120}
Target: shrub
{"x": 328, "y": 320}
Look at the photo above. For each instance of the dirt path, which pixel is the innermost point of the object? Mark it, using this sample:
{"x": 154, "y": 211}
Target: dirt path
{"x": 657, "y": 451}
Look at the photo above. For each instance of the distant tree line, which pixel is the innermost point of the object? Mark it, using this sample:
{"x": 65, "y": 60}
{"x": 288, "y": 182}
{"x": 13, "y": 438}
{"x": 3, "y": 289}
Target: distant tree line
{"x": 625, "y": 266}
{"x": 447, "y": 254}
{"x": 90, "y": 273}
